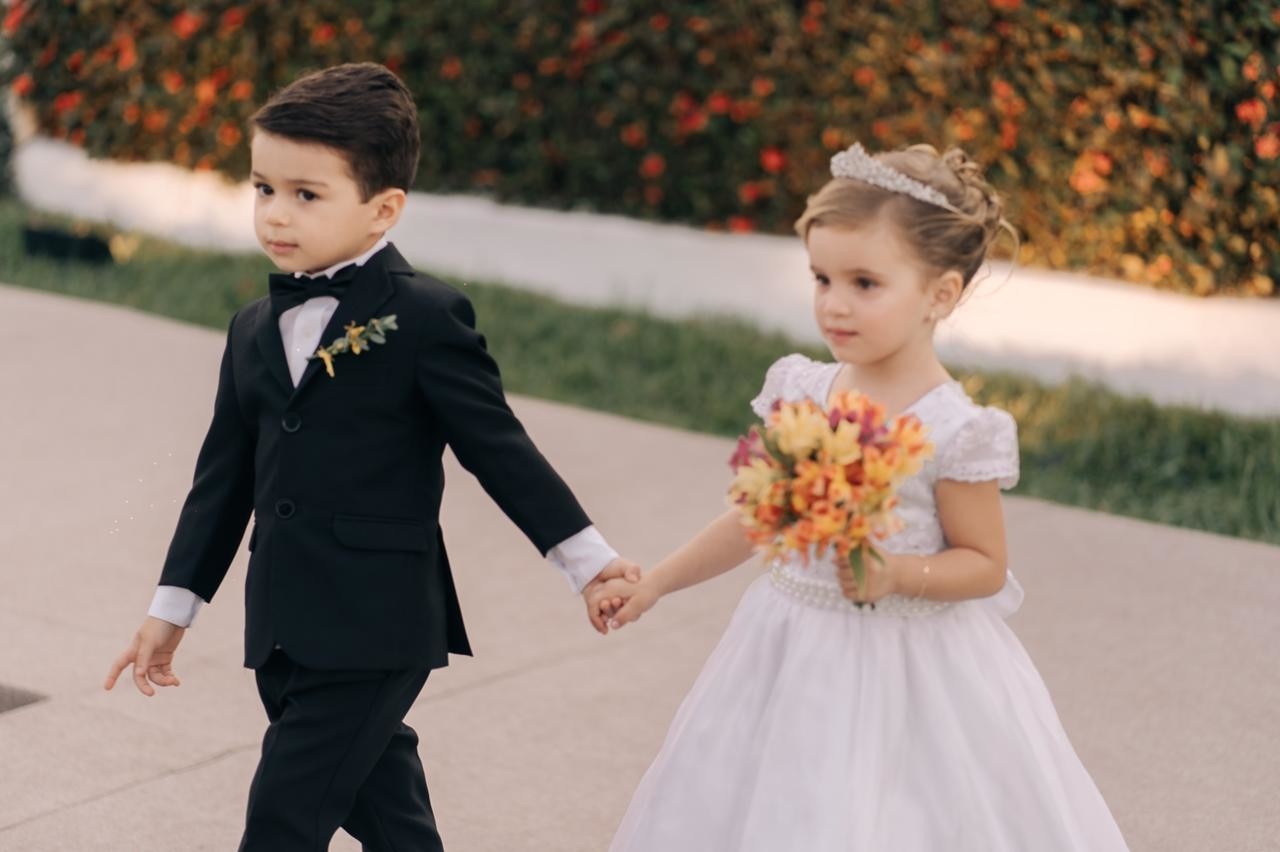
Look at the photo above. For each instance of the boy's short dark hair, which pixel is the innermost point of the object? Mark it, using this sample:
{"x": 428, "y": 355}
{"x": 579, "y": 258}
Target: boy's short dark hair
{"x": 360, "y": 109}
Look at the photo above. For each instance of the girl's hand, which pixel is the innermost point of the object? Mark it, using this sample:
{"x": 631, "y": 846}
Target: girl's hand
{"x": 880, "y": 579}
{"x": 638, "y": 599}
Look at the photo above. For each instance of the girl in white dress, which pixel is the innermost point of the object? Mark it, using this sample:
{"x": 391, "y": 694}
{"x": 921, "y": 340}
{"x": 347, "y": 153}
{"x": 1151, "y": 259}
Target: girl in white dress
{"x": 919, "y": 724}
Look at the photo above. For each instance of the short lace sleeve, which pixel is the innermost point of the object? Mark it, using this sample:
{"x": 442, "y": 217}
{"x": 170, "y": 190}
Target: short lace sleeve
{"x": 776, "y": 382}
{"x": 985, "y": 448}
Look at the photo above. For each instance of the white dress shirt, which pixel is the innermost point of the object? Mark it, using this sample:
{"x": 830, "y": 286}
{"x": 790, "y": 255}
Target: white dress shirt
{"x": 580, "y": 557}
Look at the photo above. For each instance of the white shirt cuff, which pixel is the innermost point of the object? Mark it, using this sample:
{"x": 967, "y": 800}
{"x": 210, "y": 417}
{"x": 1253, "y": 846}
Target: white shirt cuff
{"x": 176, "y": 605}
{"x": 582, "y": 556}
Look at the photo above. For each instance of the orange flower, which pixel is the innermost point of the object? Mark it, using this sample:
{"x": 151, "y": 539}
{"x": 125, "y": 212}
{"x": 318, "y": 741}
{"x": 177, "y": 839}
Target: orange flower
{"x": 634, "y": 136}
{"x": 66, "y": 102}
{"x": 660, "y": 22}
{"x": 719, "y": 103}
{"x": 171, "y": 80}
{"x": 206, "y": 91}
{"x": 1084, "y": 175}
{"x": 75, "y": 62}
{"x": 229, "y": 134}
{"x": 1008, "y": 135}
{"x": 749, "y": 192}
{"x": 451, "y": 68}
{"x": 772, "y": 160}
{"x": 691, "y": 122}
{"x": 1252, "y": 112}
{"x": 1267, "y": 147}
{"x": 323, "y": 34}
{"x": 155, "y": 120}
{"x": 652, "y": 166}
{"x": 242, "y": 90}
{"x": 762, "y": 87}
{"x": 13, "y": 19}
{"x": 231, "y": 20}
{"x": 185, "y": 24}
{"x": 744, "y": 110}
{"x": 23, "y": 86}
{"x": 741, "y": 224}
{"x": 127, "y": 52}
{"x": 865, "y": 76}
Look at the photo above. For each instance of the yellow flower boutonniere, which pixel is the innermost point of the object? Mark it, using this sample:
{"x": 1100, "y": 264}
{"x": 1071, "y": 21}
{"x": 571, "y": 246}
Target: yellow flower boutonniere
{"x": 357, "y": 339}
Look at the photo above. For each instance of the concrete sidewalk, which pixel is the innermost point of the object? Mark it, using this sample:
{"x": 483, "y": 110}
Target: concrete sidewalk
{"x": 1158, "y": 644}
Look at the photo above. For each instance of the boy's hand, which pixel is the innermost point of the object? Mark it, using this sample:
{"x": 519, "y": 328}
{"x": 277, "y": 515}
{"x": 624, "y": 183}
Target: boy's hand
{"x": 619, "y": 570}
{"x": 151, "y": 654}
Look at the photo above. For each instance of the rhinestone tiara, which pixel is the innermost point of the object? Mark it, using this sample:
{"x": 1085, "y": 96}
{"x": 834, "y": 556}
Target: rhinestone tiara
{"x": 856, "y": 164}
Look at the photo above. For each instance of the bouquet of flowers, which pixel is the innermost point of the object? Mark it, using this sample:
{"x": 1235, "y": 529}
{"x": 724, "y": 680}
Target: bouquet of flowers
{"x": 815, "y": 480}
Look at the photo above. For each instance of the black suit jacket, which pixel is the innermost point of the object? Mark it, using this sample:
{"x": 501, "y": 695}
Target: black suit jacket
{"x": 343, "y": 475}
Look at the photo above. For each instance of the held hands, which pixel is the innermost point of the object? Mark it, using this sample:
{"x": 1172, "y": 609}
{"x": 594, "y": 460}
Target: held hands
{"x": 880, "y": 579}
{"x": 623, "y": 603}
{"x": 151, "y": 655}
{"x": 618, "y": 574}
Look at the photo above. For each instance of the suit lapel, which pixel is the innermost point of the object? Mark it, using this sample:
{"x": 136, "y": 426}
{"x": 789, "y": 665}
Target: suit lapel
{"x": 271, "y": 347}
{"x": 370, "y": 290}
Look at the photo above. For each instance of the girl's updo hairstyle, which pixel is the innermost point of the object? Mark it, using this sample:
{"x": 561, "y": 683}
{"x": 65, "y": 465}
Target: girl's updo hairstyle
{"x": 942, "y": 238}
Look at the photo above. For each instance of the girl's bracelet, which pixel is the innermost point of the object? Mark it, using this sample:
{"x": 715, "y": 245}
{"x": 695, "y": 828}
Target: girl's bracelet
{"x": 924, "y": 582}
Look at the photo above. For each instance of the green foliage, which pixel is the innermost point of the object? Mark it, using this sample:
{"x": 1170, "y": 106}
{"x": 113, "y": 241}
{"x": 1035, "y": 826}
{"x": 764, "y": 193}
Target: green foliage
{"x": 6, "y": 154}
{"x": 1138, "y": 139}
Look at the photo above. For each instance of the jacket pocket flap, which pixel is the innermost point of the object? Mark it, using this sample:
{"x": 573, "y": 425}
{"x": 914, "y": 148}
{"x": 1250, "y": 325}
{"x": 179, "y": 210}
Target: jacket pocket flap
{"x": 365, "y": 533}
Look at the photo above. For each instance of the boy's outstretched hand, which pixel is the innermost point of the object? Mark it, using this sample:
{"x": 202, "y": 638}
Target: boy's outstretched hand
{"x": 151, "y": 655}
{"x": 620, "y": 570}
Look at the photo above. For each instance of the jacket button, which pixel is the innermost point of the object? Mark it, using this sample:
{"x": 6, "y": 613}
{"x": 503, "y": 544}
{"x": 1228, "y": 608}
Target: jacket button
{"x": 285, "y": 509}
{"x": 292, "y": 422}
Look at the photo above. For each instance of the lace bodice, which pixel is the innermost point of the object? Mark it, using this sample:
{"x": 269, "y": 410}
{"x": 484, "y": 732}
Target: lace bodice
{"x": 971, "y": 443}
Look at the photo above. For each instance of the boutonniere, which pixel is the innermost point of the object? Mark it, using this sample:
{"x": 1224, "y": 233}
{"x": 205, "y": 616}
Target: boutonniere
{"x": 357, "y": 339}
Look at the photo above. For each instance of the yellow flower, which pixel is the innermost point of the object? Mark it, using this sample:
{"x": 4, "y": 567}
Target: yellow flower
{"x": 357, "y": 342}
{"x": 799, "y": 429}
{"x": 753, "y": 481}
{"x": 842, "y": 446}
{"x": 323, "y": 355}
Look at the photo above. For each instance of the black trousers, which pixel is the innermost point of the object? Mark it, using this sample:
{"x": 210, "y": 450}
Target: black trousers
{"x": 337, "y": 754}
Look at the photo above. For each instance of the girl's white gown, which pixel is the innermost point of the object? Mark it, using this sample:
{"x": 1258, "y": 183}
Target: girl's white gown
{"x": 818, "y": 727}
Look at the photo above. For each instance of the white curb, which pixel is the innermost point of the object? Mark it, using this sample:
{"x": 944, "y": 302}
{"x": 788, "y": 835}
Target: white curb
{"x": 1218, "y": 353}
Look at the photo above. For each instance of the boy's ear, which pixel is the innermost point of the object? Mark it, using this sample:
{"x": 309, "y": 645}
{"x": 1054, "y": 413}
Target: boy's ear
{"x": 387, "y": 207}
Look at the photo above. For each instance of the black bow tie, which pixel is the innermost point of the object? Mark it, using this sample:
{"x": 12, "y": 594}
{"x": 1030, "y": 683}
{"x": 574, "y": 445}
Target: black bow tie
{"x": 288, "y": 290}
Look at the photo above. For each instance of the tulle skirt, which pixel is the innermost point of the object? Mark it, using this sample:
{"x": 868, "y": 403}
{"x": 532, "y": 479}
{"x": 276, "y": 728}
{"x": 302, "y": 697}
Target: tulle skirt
{"x": 815, "y": 729}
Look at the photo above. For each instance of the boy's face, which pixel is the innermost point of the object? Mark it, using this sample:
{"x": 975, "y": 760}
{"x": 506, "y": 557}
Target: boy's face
{"x": 307, "y": 211}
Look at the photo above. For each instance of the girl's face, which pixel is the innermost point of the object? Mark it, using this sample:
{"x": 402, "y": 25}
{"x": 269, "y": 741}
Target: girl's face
{"x": 872, "y": 297}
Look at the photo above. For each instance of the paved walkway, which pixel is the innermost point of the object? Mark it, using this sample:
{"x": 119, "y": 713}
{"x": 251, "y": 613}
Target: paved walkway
{"x": 1158, "y": 644}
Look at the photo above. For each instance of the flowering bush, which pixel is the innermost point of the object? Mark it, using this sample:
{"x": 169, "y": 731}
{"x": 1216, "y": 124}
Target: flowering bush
{"x": 1140, "y": 139}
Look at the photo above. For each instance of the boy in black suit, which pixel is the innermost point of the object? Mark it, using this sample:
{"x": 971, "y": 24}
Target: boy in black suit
{"x": 336, "y": 398}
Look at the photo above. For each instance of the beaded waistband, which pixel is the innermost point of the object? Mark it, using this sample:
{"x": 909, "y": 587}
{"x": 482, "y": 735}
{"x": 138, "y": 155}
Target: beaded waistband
{"x": 827, "y": 596}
